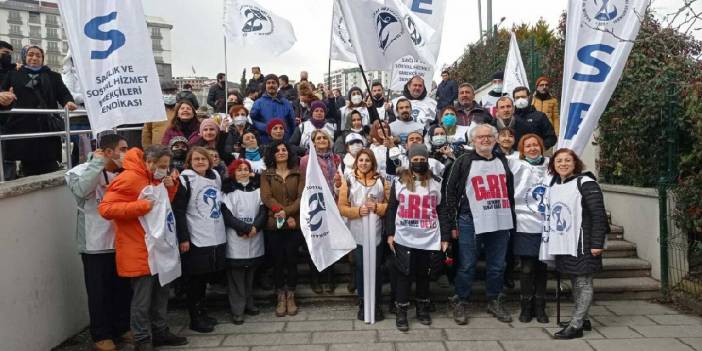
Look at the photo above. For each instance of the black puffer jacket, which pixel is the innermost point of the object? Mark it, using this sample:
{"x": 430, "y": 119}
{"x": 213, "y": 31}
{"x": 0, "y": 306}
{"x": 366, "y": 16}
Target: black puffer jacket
{"x": 529, "y": 120}
{"x": 595, "y": 229}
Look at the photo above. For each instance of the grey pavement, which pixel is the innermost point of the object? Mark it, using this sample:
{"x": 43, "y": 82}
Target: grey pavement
{"x": 617, "y": 325}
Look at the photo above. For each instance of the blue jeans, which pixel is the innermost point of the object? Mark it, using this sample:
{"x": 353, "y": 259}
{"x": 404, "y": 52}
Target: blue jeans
{"x": 469, "y": 246}
{"x": 358, "y": 256}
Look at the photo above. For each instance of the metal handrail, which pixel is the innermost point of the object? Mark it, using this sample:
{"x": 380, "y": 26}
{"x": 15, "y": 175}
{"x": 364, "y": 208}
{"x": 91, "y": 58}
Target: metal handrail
{"x": 66, "y": 133}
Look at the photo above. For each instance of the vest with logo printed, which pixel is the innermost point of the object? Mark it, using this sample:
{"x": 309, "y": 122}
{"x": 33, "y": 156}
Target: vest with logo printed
{"x": 565, "y": 217}
{"x": 417, "y": 221}
{"x": 488, "y": 197}
{"x": 203, "y": 213}
{"x": 99, "y": 232}
{"x": 244, "y": 206}
{"x": 530, "y": 186}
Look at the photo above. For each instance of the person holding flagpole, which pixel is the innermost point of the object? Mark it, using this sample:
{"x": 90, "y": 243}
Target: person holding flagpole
{"x": 413, "y": 232}
{"x": 362, "y": 195}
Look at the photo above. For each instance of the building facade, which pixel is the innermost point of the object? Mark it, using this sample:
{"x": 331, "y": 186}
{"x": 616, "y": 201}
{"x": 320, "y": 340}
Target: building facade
{"x": 345, "y": 79}
{"x": 29, "y": 22}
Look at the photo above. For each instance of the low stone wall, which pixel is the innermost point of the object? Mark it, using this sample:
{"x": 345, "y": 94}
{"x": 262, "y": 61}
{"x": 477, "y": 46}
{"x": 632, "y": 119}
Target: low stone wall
{"x": 43, "y": 300}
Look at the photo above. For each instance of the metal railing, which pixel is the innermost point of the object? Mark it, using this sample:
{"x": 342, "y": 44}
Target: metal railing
{"x": 65, "y": 134}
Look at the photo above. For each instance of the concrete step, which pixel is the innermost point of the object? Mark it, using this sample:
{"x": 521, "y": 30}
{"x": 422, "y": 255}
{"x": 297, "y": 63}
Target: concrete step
{"x": 628, "y": 267}
{"x": 620, "y": 249}
{"x": 616, "y": 232}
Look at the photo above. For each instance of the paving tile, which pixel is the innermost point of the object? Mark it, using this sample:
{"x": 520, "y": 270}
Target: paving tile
{"x": 637, "y": 309}
{"x": 420, "y": 346}
{"x": 618, "y": 321}
{"x": 473, "y": 346}
{"x": 411, "y": 335}
{"x": 675, "y": 319}
{"x": 497, "y": 334}
{"x": 696, "y": 343}
{"x": 290, "y": 348}
{"x": 669, "y": 331}
{"x": 345, "y": 337}
{"x": 618, "y": 332}
{"x": 269, "y": 316}
{"x": 639, "y": 345}
{"x": 362, "y": 347}
{"x": 388, "y": 324}
{"x": 267, "y": 339}
{"x": 554, "y": 345}
{"x": 567, "y": 311}
{"x": 312, "y": 326}
{"x": 332, "y": 314}
{"x": 247, "y": 327}
{"x": 185, "y": 347}
{"x": 204, "y": 340}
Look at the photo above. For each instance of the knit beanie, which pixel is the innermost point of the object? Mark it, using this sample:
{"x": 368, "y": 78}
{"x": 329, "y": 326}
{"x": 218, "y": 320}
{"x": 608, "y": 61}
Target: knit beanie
{"x": 318, "y": 104}
{"x": 273, "y": 123}
{"x": 418, "y": 150}
{"x": 208, "y": 122}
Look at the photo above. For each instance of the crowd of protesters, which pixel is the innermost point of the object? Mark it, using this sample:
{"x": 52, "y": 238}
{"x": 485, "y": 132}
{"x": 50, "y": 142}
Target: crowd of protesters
{"x": 443, "y": 174}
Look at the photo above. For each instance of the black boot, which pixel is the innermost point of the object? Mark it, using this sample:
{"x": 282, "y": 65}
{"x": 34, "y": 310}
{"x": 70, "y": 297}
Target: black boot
{"x": 569, "y": 333}
{"x": 401, "y": 321}
{"x": 198, "y": 323}
{"x": 526, "y": 314}
{"x": 316, "y": 286}
{"x": 423, "y": 312}
{"x": 587, "y": 325}
{"x": 361, "y": 312}
{"x": 540, "y": 310}
{"x": 203, "y": 313}
{"x": 330, "y": 285}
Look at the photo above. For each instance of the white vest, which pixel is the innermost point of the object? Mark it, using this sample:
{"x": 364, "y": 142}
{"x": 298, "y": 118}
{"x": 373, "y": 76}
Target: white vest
{"x": 564, "y": 218}
{"x": 423, "y": 111}
{"x": 203, "y": 214}
{"x": 345, "y": 113}
{"x": 160, "y": 231}
{"x": 401, "y": 129}
{"x": 307, "y": 128}
{"x": 245, "y": 206}
{"x": 486, "y": 190}
{"x": 257, "y": 166}
{"x": 99, "y": 232}
{"x": 358, "y": 193}
{"x": 530, "y": 184}
{"x": 416, "y": 221}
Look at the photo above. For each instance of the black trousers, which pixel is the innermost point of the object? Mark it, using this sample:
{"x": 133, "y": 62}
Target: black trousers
{"x": 109, "y": 296}
{"x": 532, "y": 280}
{"x": 284, "y": 245}
{"x": 419, "y": 270}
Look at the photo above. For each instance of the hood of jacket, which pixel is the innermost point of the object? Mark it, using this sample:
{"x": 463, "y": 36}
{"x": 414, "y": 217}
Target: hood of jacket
{"x": 134, "y": 161}
{"x": 406, "y": 92}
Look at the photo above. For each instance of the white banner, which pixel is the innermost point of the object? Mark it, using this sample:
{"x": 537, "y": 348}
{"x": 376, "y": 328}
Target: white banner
{"x": 406, "y": 68}
{"x": 599, "y": 37}
{"x": 249, "y": 25}
{"x": 383, "y": 32}
{"x": 515, "y": 75}
{"x": 341, "y": 47}
{"x": 111, "y": 49}
{"x": 327, "y": 237}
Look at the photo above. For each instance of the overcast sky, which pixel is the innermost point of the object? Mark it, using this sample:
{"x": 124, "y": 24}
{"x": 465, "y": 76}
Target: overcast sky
{"x": 197, "y": 36}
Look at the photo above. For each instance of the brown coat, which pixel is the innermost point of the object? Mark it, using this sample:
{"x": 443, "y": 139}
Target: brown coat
{"x": 285, "y": 193}
{"x": 550, "y": 109}
{"x": 153, "y": 131}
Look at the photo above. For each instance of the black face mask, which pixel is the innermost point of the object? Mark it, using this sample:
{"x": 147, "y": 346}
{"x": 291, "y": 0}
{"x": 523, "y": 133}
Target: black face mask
{"x": 180, "y": 154}
{"x": 6, "y": 61}
{"x": 420, "y": 167}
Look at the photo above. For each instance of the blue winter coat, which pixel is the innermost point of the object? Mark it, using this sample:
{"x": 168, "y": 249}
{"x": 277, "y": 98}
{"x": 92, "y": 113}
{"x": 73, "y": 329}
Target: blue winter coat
{"x": 267, "y": 108}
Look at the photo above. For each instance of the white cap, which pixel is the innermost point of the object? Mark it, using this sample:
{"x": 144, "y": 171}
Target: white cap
{"x": 352, "y": 137}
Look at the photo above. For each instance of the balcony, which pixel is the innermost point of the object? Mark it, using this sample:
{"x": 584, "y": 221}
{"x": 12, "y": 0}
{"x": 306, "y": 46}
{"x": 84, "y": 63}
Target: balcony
{"x": 156, "y": 35}
{"x": 17, "y": 19}
{"x": 50, "y": 35}
{"x": 52, "y": 22}
{"x": 53, "y": 49}
{"x": 16, "y": 33}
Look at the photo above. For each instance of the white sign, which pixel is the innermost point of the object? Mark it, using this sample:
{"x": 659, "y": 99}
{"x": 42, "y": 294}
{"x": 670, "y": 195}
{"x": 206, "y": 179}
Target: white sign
{"x": 341, "y": 47}
{"x": 111, "y": 49}
{"x": 383, "y": 32}
{"x": 406, "y": 68}
{"x": 515, "y": 75}
{"x": 599, "y": 37}
{"x": 327, "y": 237}
{"x": 250, "y": 25}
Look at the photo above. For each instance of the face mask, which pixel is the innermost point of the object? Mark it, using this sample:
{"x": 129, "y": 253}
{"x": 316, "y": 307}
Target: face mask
{"x": 239, "y": 121}
{"x": 497, "y": 88}
{"x": 449, "y": 120}
{"x": 179, "y": 154}
{"x": 169, "y": 99}
{"x": 355, "y": 148}
{"x": 160, "y": 173}
{"x": 534, "y": 161}
{"x": 521, "y": 103}
{"x": 420, "y": 167}
{"x": 356, "y": 99}
{"x": 438, "y": 140}
{"x": 6, "y": 61}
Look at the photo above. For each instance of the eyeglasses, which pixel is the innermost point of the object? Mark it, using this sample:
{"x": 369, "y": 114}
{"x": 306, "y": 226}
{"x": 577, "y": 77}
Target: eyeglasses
{"x": 485, "y": 137}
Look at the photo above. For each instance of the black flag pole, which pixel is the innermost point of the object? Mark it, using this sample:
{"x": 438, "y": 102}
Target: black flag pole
{"x": 365, "y": 80}
{"x": 331, "y": 42}
{"x": 558, "y": 298}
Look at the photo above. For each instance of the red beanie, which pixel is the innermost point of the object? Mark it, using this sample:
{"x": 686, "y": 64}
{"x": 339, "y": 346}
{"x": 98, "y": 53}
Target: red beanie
{"x": 542, "y": 78}
{"x": 235, "y": 165}
{"x": 273, "y": 123}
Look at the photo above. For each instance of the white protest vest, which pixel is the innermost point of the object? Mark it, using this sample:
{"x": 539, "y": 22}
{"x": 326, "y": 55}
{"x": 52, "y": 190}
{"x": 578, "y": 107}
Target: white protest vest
{"x": 345, "y": 113}
{"x": 244, "y": 206}
{"x": 160, "y": 235}
{"x": 358, "y": 193}
{"x": 416, "y": 221}
{"x": 460, "y": 137}
{"x": 307, "y": 128}
{"x": 530, "y": 184}
{"x": 423, "y": 111}
{"x": 203, "y": 214}
{"x": 565, "y": 218}
{"x": 99, "y": 232}
{"x": 257, "y": 166}
{"x": 486, "y": 190}
{"x": 380, "y": 152}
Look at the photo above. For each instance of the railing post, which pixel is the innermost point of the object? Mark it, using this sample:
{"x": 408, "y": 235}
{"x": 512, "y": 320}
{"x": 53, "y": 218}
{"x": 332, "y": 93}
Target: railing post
{"x": 2, "y": 162}
{"x": 67, "y": 125}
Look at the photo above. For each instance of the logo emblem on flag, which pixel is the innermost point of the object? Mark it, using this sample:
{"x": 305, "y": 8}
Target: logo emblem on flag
{"x": 258, "y": 21}
{"x": 605, "y": 11}
{"x": 414, "y": 32}
{"x": 317, "y": 211}
{"x": 389, "y": 28}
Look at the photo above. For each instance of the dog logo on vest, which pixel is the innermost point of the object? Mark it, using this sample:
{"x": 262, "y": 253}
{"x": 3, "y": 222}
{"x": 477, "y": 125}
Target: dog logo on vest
{"x": 317, "y": 210}
{"x": 561, "y": 217}
{"x": 211, "y": 195}
{"x": 258, "y": 21}
{"x": 388, "y": 27}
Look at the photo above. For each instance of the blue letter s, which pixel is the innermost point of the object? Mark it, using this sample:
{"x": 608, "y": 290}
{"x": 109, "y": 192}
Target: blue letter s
{"x": 585, "y": 56}
{"x": 93, "y": 31}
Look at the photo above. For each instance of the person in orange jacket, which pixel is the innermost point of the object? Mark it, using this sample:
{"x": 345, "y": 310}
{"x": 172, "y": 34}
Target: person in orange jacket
{"x": 122, "y": 205}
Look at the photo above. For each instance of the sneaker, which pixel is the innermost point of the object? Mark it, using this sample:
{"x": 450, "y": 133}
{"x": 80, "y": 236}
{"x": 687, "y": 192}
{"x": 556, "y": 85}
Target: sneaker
{"x": 169, "y": 339}
{"x": 496, "y": 307}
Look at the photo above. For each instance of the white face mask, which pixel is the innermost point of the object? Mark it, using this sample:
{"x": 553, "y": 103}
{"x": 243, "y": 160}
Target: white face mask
{"x": 497, "y": 88}
{"x": 160, "y": 173}
{"x": 356, "y": 99}
{"x": 355, "y": 148}
{"x": 521, "y": 103}
{"x": 239, "y": 120}
{"x": 438, "y": 140}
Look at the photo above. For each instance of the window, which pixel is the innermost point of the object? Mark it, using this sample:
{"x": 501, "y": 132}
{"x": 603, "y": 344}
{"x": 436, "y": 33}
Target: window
{"x": 16, "y": 44}
{"x": 34, "y": 17}
{"x": 52, "y": 46}
{"x": 35, "y": 32}
{"x": 14, "y": 16}
{"x": 156, "y": 32}
{"x": 51, "y": 20}
{"x": 36, "y": 42}
{"x": 52, "y": 59}
{"x": 156, "y": 44}
{"x": 52, "y": 33}
{"x": 15, "y": 29}
{"x": 65, "y": 46}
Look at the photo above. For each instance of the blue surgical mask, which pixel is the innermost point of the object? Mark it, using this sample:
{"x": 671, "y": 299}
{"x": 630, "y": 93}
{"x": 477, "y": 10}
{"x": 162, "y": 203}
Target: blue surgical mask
{"x": 449, "y": 120}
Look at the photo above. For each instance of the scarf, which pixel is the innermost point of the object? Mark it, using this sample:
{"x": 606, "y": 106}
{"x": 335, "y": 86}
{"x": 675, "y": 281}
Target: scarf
{"x": 253, "y": 155}
{"x": 501, "y": 124}
{"x": 535, "y": 161}
{"x": 327, "y": 159}
{"x": 317, "y": 123}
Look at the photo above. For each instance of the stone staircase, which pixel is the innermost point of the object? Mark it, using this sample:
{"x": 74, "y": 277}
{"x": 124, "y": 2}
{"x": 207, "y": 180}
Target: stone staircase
{"x": 625, "y": 276}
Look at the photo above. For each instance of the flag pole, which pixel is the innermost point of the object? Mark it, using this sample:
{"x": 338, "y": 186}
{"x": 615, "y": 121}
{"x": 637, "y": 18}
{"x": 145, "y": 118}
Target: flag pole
{"x": 331, "y": 40}
{"x": 365, "y": 80}
{"x": 226, "y": 75}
